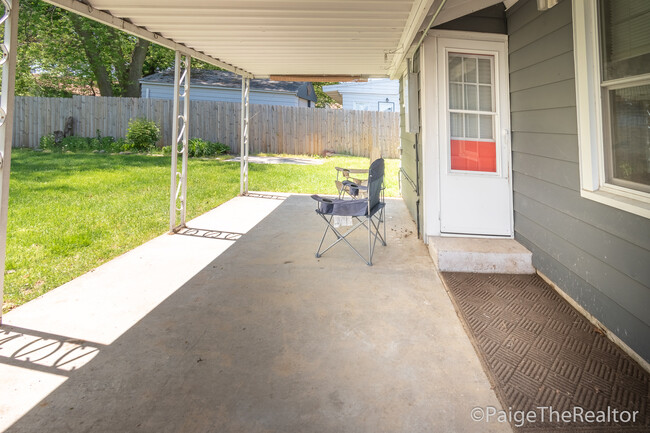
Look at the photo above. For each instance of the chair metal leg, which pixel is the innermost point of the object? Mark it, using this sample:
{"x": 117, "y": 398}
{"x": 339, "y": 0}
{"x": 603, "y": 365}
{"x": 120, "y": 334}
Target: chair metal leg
{"x": 318, "y": 253}
{"x": 384, "y": 220}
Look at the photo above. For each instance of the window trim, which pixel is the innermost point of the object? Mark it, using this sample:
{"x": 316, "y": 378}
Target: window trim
{"x": 592, "y": 156}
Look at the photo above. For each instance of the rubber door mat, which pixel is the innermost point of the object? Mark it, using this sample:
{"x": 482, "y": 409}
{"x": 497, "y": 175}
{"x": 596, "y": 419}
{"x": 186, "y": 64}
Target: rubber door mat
{"x": 544, "y": 357}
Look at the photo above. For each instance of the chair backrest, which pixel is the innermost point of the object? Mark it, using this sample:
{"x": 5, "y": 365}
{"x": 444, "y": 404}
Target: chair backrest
{"x": 375, "y": 182}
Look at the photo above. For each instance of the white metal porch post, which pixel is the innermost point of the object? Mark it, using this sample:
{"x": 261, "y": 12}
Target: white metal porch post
{"x": 8, "y": 62}
{"x": 178, "y": 189}
{"x": 243, "y": 175}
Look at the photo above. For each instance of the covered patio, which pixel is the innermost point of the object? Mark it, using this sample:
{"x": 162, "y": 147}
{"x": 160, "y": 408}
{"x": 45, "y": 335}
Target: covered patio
{"x": 236, "y": 326}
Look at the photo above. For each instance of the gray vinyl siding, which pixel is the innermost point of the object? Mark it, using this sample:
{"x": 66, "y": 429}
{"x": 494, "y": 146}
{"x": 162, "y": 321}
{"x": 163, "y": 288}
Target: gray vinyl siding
{"x": 411, "y": 145}
{"x": 488, "y": 20}
{"x": 597, "y": 254}
{"x": 202, "y": 93}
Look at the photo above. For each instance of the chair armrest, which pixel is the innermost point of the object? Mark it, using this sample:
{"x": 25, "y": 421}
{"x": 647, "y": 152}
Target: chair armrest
{"x": 335, "y": 206}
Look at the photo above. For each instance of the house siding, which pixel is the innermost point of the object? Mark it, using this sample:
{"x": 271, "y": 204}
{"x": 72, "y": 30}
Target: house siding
{"x": 369, "y": 93}
{"x": 411, "y": 157}
{"x": 197, "y": 93}
{"x": 596, "y": 254}
{"x": 353, "y": 101}
{"x": 488, "y": 20}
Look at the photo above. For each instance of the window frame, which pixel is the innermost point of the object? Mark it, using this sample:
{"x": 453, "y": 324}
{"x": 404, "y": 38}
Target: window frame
{"x": 590, "y": 116}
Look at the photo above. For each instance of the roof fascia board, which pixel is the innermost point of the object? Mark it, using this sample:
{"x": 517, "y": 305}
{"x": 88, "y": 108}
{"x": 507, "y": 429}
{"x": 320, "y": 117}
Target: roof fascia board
{"x": 103, "y": 17}
{"x": 207, "y": 86}
{"x": 416, "y": 17}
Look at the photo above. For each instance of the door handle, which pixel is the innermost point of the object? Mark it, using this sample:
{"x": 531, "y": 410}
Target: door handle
{"x": 505, "y": 147}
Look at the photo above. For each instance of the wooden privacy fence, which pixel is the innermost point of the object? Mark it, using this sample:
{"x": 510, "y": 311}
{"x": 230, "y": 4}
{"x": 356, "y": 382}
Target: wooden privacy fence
{"x": 273, "y": 128}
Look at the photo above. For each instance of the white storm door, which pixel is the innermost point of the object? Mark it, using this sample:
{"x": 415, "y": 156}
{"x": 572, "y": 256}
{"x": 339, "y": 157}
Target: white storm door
{"x": 475, "y": 181}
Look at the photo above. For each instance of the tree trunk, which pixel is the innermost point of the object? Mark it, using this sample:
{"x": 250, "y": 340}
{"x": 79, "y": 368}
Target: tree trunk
{"x": 132, "y": 87}
{"x": 94, "y": 58}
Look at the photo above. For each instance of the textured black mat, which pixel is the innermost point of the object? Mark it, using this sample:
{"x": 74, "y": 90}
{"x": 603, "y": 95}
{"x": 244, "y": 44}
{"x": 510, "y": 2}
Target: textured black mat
{"x": 540, "y": 352}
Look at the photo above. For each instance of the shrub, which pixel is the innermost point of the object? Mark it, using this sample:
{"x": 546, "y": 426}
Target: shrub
{"x": 75, "y": 144}
{"x": 220, "y": 148}
{"x": 83, "y": 144}
{"x": 142, "y": 135}
{"x": 47, "y": 142}
{"x": 198, "y": 147}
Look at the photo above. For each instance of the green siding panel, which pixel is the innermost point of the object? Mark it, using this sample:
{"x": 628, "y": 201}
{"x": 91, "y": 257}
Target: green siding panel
{"x": 551, "y": 45}
{"x": 631, "y": 228}
{"x": 555, "y": 95}
{"x": 620, "y": 321}
{"x": 627, "y": 258}
{"x": 544, "y": 24}
{"x": 626, "y": 292}
{"x": 554, "y": 171}
{"x": 555, "y": 146}
{"x": 548, "y": 121}
{"x": 595, "y": 253}
{"x": 546, "y": 71}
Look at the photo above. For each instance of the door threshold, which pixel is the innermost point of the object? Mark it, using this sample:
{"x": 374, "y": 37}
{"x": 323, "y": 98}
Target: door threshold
{"x": 472, "y": 235}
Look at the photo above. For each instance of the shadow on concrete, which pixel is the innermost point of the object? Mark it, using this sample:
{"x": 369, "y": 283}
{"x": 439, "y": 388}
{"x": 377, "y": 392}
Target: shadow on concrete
{"x": 209, "y": 233}
{"x": 267, "y": 338}
{"x": 44, "y": 352}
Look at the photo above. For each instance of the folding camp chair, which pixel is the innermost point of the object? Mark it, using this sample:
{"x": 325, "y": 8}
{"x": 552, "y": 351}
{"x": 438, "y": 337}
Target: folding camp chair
{"x": 368, "y": 212}
{"x": 352, "y": 186}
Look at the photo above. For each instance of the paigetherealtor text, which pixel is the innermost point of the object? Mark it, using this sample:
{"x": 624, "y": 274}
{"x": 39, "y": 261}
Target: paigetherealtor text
{"x": 542, "y": 414}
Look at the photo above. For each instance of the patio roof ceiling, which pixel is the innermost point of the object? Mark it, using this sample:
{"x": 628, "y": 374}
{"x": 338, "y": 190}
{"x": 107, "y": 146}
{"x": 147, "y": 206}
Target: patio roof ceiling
{"x": 262, "y": 38}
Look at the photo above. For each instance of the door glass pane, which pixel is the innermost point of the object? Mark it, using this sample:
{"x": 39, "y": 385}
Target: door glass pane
{"x": 486, "y": 126}
{"x": 485, "y": 98}
{"x": 469, "y": 69}
{"x": 471, "y": 97}
{"x": 471, "y": 125}
{"x": 472, "y": 144}
{"x": 455, "y": 68}
{"x": 456, "y": 125}
{"x": 455, "y": 96}
{"x": 484, "y": 71}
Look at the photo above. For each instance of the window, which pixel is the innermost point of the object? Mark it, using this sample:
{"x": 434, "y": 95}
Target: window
{"x": 612, "y": 58}
{"x": 471, "y": 113}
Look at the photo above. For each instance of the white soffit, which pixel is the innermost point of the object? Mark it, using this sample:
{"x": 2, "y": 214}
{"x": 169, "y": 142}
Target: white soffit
{"x": 277, "y": 37}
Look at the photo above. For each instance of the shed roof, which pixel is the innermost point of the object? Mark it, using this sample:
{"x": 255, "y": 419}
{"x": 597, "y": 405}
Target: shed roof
{"x": 229, "y": 80}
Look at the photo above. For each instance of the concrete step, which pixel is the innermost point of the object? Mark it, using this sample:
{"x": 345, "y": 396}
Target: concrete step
{"x": 480, "y": 255}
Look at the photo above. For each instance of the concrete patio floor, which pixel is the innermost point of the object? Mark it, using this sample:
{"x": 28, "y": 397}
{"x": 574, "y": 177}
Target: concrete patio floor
{"x": 213, "y": 331}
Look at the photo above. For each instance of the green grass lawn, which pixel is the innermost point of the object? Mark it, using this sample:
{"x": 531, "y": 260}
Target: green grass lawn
{"x": 69, "y": 213}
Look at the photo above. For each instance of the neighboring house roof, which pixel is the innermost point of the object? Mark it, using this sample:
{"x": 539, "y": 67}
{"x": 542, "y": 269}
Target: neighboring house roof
{"x": 382, "y": 86}
{"x": 228, "y": 80}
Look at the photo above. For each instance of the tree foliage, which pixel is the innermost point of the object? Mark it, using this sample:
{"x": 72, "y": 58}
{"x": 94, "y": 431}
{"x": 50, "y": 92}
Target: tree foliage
{"x": 60, "y": 53}
{"x": 324, "y": 100}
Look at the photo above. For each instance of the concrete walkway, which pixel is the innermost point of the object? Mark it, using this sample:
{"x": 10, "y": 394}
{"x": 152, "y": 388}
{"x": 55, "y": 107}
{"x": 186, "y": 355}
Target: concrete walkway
{"x": 280, "y": 160}
{"x": 201, "y": 332}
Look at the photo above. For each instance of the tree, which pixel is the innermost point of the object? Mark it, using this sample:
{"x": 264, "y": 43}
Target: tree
{"x": 324, "y": 100}
{"x": 60, "y": 53}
